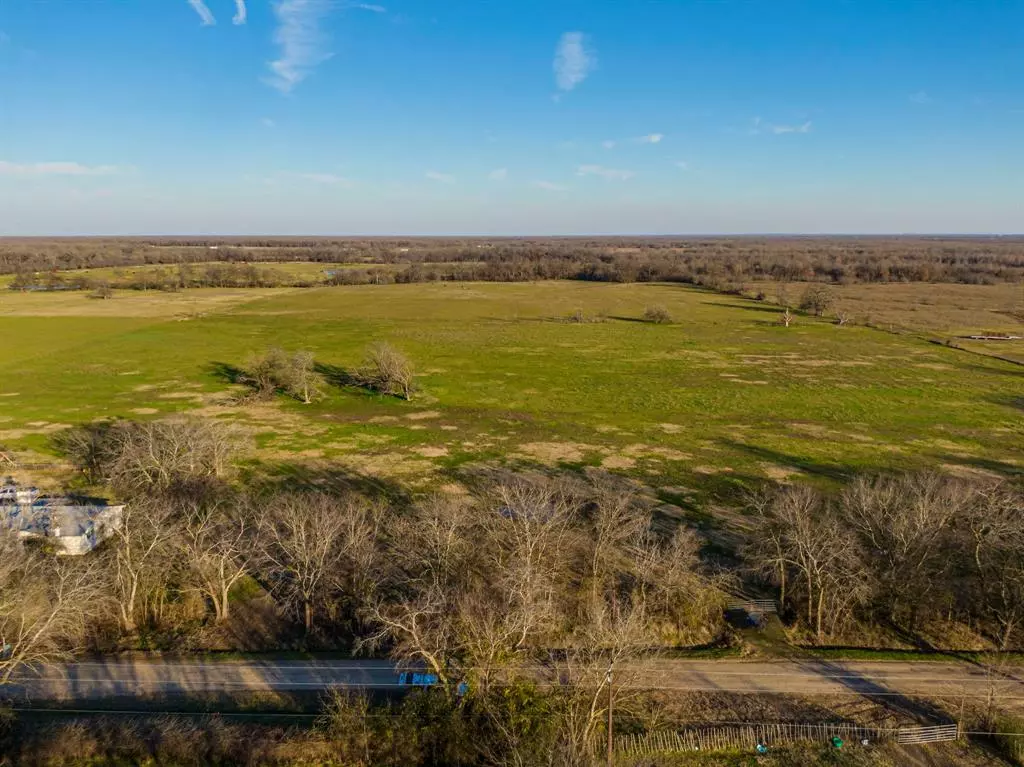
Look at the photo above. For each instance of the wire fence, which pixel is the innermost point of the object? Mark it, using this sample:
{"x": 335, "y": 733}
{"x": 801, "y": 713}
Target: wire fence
{"x": 749, "y": 736}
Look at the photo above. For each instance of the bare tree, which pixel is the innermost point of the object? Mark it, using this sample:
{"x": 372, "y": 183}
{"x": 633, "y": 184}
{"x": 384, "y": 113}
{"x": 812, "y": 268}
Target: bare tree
{"x": 138, "y": 458}
{"x": 217, "y": 544}
{"x": 905, "y": 525}
{"x": 387, "y": 371}
{"x": 304, "y": 382}
{"x": 429, "y": 564}
{"x": 659, "y": 315}
{"x": 818, "y": 299}
{"x": 803, "y": 536}
{"x": 142, "y": 543}
{"x": 619, "y": 523}
{"x": 786, "y": 318}
{"x": 276, "y": 370}
{"x": 310, "y": 543}
{"x": 995, "y": 524}
{"x": 44, "y": 604}
{"x": 591, "y": 675}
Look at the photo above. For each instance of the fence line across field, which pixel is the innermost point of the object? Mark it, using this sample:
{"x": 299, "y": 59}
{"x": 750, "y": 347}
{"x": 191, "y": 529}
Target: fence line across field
{"x": 722, "y": 738}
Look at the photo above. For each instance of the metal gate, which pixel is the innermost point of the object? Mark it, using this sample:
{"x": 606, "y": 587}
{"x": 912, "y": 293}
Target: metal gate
{"x": 927, "y": 734}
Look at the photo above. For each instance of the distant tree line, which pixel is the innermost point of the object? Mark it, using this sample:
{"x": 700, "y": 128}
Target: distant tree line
{"x": 719, "y": 263}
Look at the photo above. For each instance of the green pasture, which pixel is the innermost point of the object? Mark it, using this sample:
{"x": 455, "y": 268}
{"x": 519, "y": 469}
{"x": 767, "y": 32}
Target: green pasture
{"x": 722, "y": 397}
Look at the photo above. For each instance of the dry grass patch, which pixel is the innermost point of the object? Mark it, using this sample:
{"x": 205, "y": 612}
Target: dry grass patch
{"x": 618, "y": 462}
{"x": 135, "y": 304}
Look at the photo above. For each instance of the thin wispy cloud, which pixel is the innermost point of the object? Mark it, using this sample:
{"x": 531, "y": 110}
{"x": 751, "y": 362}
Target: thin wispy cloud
{"x": 549, "y": 186}
{"x": 325, "y": 178}
{"x": 301, "y": 41}
{"x": 4, "y": 38}
{"x": 608, "y": 144}
{"x": 241, "y": 13}
{"x": 498, "y": 174}
{"x": 574, "y": 61}
{"x": 650, "y": 138}
{"x": 921, "y": 97}
{"x": 682, "y": 164}
{"x": 205, "y": 15}
{"x": 369, "y": 7}
{"x": 758, "y": 126}
{"x": 610, "y": 174}
{"x": 266, "y": 122}
{"x": 441, "y": 178}
{"x": 778, "y": 130}
{"x": 56, "y": 169}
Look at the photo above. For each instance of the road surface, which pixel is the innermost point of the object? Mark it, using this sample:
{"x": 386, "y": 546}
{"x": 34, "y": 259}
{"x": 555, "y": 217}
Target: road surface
{"x": 127, "y": 677}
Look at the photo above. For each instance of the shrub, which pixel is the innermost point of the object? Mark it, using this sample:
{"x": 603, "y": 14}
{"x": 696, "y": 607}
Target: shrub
{"x": 388, "y": 371}
{"x": 278, "y": 371}
{"x": 658, "y": 315}
{"x": 817, "y": 299}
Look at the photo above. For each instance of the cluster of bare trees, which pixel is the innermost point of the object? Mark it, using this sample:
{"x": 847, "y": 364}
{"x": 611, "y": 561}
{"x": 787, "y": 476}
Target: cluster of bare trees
{"x": 139, "y": 457}
{"x": 45, "y": 604}
{"x": 276, "y": 370}
{"x": 899, "y": 550}
{"x": 387, "y": 371}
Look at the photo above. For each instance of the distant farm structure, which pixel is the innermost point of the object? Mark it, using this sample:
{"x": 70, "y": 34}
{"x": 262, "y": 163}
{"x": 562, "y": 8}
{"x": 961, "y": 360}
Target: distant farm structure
{"x": 73, "y": 528}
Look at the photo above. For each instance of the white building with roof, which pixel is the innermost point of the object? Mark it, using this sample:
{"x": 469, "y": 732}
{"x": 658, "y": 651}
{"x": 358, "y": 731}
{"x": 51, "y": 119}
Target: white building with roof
{"x": 74, "y": 529}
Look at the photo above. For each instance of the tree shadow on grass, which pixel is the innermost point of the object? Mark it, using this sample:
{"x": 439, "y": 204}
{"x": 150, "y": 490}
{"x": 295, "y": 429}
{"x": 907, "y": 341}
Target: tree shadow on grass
{"x": 806, "y": 465}
{"x": 227, "y": 372}
{"x": 990, "y": 465}
{"x": 748, "y": 307}
{"x": 638, "y": 320}
{"x": 336, "y": 376}
{"x": 266, "y": 476}
{"x": 1008, "y": 401}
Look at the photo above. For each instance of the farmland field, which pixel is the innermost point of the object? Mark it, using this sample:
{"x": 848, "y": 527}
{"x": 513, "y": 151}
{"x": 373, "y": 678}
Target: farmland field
{"x": 720, "y": 397}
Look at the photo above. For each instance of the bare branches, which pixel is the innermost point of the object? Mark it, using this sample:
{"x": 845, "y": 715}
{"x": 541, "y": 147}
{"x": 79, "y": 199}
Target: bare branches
{"x": 44, "y": 603}
{"x": 311, "y": 546}
{"x": 216, "y": 543}
{"x": 138, "y": 458}
{"x": 388, "y": 371}
{"x": 278, "y": 371}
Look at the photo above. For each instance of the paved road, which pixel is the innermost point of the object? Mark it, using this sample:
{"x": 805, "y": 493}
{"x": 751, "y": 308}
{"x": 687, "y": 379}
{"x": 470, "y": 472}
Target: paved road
{"x": 123, "y": 677}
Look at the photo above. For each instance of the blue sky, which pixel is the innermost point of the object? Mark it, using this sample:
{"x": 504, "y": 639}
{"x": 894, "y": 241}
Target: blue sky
{"x": 524, "y": 117}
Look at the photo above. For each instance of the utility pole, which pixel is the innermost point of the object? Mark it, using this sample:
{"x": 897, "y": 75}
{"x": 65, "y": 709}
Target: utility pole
{"x": 608, "y": 681}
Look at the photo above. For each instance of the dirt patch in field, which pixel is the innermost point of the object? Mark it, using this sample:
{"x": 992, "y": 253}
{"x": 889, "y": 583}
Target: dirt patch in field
{"x": 149, "y": 305}
{"x": 180, "y": 395}
{"x": 556, "y": 452}
{"x": 778, "y": 473}
{"x": 618, "y": 462}
{"x": 42, "y": 427}
{"x": 145, "y": 411}
{"x": 670, "y": 428}
{"x": 641, "y": 450}
{"x": 384, "y": 419}
{"x": 432, "y": 452}
{"x": 708, "y": 470}
{"x": 425, "y": 415}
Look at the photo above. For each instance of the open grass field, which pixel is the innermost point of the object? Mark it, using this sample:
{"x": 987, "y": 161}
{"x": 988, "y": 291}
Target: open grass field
{"x": 720, "y": 398}
{"x": 946, "y": 312}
